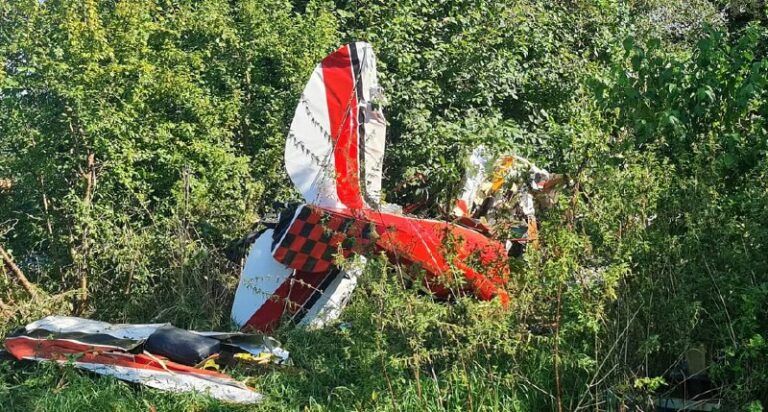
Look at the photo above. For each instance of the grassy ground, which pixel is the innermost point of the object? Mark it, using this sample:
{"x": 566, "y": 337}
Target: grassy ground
{"x": 53, "y": 388}
{"x": 403, "y": 351}
{"x": 328, "y": 376}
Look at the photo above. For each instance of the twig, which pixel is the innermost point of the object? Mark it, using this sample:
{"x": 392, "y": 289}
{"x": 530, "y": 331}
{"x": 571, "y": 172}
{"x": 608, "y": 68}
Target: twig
{"x": 4, "y": 307}
{"x": 558, "y": 388}
{"x": 534, "y": 386}
{"x": 725, "y": 306}
{"x": 469, "y": 385}
{"x": 45, "y": 207}
{"x": 605, "y": 359}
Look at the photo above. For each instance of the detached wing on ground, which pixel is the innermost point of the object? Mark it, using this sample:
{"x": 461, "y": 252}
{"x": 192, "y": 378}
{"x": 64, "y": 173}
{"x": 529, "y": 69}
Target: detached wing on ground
{"x": 123, "y": 351}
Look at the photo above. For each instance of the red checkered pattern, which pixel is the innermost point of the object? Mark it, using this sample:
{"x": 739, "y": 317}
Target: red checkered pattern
{"x": 313, "y": 238}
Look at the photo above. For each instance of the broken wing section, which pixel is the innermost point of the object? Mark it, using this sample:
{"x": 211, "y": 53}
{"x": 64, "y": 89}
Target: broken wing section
{"x": 335, "y": 146}
{"x": 123, "y": 351}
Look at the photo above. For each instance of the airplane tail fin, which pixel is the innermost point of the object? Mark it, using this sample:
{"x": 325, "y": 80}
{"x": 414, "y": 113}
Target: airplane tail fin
{"x": 335, "y": 148}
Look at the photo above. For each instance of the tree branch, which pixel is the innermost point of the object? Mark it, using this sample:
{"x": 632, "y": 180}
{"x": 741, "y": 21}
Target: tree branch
{"x": 25, "y": 283}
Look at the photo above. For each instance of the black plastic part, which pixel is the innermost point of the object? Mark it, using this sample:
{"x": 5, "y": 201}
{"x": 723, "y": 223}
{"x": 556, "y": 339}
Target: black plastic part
{"x": 181, "y": 345}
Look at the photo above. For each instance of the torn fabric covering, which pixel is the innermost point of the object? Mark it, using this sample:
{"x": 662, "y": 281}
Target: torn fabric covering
{"x": 502, "y": 194}
{"x": 473, "y": 180}
{"x": 118, "y": 350}
{"x": 507, "y": 175}
{"x": 335, "y": 148}
{"x": 260, "y": 278}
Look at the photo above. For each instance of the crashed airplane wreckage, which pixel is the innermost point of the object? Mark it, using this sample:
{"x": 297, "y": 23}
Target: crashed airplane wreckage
{"x": 334, "y": 154}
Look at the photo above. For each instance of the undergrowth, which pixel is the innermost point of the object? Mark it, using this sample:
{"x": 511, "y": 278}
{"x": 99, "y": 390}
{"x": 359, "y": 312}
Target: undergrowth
{"x": 139, "y": 138}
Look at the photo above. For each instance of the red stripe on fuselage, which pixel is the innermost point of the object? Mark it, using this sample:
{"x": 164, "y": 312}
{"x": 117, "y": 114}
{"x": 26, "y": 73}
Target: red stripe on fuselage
{"x": 342, "y": 112}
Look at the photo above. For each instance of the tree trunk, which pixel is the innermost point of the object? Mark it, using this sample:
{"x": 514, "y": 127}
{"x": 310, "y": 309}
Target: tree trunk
{"x": 90, "y": 183}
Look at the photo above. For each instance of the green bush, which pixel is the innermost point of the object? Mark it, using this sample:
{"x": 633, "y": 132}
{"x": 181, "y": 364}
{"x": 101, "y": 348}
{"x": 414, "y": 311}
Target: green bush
{"x": 654, "y": 111}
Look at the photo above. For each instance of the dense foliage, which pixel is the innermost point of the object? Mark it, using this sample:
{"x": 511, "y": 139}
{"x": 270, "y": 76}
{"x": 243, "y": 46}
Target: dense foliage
{"x": 141, "y": 137}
